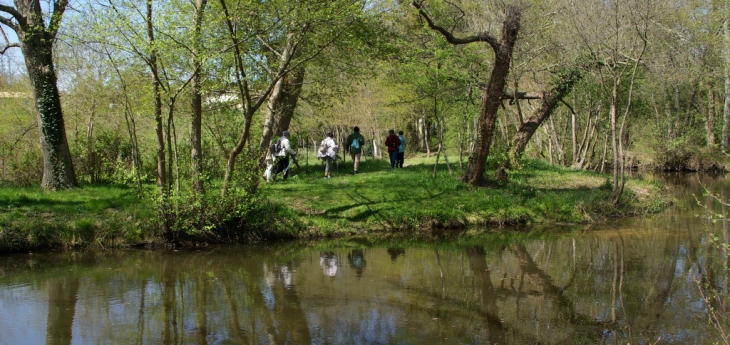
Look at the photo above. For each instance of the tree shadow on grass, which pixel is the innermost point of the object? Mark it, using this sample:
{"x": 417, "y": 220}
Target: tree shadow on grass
{"x": 24, "y": 201}
{"x": 369, "y": 202}
{"x": 56, "y": 205}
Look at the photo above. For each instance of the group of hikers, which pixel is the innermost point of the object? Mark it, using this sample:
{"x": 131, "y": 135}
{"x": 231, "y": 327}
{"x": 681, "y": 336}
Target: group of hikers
{"x": 280, "y": 155}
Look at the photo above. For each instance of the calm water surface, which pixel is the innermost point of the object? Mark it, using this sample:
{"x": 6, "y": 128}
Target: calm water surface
{"x": 632, "y": 281}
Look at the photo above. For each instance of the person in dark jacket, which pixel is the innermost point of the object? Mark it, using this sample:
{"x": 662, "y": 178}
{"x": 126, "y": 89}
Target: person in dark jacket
{"x": 354, "y": 145}
{"x": 392, "y": 142}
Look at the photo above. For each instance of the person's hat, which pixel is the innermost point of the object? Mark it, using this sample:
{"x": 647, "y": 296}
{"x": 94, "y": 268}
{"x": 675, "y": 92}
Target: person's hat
{"x": 285, "y": 133}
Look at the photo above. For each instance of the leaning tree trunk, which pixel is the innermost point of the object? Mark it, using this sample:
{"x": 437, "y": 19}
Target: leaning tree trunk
{"x": 528, "y": 128}
{"x": 290, "y": 98}
{"x": 58, "y": 171}
{"x": 492, "y": 98}
{"x": 549, "y": 100}
{"x": 280, "y": 106}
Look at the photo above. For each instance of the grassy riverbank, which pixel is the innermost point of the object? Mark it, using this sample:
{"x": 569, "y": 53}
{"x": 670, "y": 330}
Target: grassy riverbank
{"x": 382, "y": 199}
{"x": 309, "y": 206}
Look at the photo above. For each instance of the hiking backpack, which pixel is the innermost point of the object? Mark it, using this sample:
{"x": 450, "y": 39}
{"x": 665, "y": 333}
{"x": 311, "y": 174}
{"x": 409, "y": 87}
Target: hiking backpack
{"x": 275, "y": 147}
{"x": 355, "y": 144}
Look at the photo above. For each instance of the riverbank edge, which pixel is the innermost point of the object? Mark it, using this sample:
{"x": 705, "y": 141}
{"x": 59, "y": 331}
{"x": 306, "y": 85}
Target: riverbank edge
{"x": 114, "y": 228}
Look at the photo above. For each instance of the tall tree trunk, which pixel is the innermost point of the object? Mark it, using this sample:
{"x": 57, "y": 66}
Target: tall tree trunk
{"x": 90, "y": 153}
{"x": 574, "y": 136}
{"x": 550, "y": 144}
{"x": 603, "y": 157}
{"x": 491, "y": 100}
{"x": 290, "y": 98}
{"x": 196, "y": 130}
{"x": 558, "y": 145}
{"x": 131, "y": 125}
{"x": 710, "y": 120}
{"x": 171, "y": 151}
{"x": 36, "y": 42}
{"x": 615, "y": 135}
{"x": 726, "y": 112}
{"x": 161, "y": 173}
{"x": 159, "y": 132}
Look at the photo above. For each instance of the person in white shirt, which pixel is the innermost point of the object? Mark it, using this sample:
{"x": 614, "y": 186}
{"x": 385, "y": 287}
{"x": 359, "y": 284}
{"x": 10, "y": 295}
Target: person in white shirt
{"x": 328, "y": 152}
{"x": 282, "y": 156}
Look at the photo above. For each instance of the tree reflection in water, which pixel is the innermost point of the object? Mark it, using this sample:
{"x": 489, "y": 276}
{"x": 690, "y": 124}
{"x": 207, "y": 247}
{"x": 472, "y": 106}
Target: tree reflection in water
{"x": 628, "y": 282}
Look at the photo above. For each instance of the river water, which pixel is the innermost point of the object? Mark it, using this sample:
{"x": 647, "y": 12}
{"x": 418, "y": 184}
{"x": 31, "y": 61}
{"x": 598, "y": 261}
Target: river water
{"x": 631, "y": 281}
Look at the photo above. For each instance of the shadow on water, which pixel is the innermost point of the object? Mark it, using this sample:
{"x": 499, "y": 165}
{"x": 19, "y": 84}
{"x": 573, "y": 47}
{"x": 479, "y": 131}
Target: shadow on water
{"x": 631, "y": 281}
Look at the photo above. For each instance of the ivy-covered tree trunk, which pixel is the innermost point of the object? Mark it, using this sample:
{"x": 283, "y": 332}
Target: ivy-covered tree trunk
{"x": 36, "y": 42}
{"x": 58, "y": 171}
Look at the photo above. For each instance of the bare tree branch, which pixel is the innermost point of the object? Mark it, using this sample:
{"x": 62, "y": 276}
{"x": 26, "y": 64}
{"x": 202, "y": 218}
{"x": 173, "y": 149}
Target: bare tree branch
{"x": 479, "y": 37}
{"x": 13, "y": 12}
{"x": 8, "y": 46}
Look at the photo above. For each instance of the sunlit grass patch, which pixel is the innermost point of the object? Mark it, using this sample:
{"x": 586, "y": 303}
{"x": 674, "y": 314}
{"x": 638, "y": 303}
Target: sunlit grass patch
{"x": 380, "y": 198}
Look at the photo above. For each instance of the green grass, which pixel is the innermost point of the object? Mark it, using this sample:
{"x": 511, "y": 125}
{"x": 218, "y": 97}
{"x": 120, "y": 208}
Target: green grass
{"x": 378, "y": 201}
{"x": 410, "y": 199}
{"x": 103, "y": 215}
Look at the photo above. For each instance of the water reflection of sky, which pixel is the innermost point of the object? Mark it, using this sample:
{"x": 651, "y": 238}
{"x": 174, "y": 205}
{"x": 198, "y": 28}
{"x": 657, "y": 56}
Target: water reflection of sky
{"x": 21, "y": 306}
{"x": 355, "y": 326}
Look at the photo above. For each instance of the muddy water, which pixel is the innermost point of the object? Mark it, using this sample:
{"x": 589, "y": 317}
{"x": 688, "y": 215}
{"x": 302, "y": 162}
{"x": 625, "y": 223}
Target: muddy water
{"x": 633, "y": 281}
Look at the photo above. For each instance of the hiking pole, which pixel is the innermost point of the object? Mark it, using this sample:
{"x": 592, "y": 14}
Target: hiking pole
{"x": 291, "y": 158}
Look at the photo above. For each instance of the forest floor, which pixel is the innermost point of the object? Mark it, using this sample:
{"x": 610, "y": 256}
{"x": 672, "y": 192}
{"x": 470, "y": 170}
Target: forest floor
{"x": 377, "y": 200}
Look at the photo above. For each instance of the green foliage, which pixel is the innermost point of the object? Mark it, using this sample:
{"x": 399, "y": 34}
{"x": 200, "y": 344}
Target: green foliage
{"x": 243, "y": 214}
{"x": 713, "y": 295}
